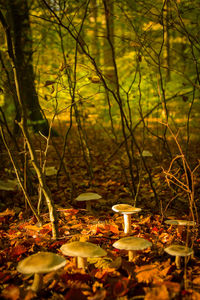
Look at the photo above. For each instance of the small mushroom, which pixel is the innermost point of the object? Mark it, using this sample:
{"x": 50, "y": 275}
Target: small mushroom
{"x": 88, "y": 198}
{"x": 127, "y": 210}
{"x": 146, "y": 153}
{"x": 180, "y": 224}
{"x": 82, "y": 250}
{"x": 178, "y": 251}
{"x": 132, "y": 244}
{"x": 39, "y": 264}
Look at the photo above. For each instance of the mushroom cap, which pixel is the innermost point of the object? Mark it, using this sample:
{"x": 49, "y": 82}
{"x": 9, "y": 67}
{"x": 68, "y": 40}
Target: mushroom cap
{"x": 82, "y": 249}
{"x": 88, "y": 197}
{"x": 180, "y": 222}
{"x": 126, "y": 209}
{"x": 146, "y": 153}
{"x": 132, "y": 243}
{"x": 9, "y": 185}
{"x": 41, "y": 262}
{"x": 178, "y": 250}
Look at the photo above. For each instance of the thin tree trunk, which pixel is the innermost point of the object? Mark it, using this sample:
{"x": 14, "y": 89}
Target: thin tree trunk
{"x": 18, "y": 18}
{"x": 23, "y": 126}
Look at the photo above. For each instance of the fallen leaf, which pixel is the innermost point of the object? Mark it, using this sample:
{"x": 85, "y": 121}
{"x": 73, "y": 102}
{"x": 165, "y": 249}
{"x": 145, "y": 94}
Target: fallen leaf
{"x": 75, "y": 294}
{"x": 7, "y": 212}
{"x": 99, "y": 295}
{"x": 11, "y": 292}
{"x": 18, "y": 250}
{"x": 157, "y": 293}
{"x": 4, "y": 277}
{"x": 173, "y": 288}
{"x": 30, "y": 295}
{"x": 146, "y": 220}
{"x": 116, "y": 264}
{"x": 146, "y": 273}
{"x": 120, "y": 287}
{"x": 196, "y": 280}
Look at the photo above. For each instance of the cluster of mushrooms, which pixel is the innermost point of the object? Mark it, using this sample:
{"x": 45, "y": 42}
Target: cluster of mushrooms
{"x": 45, "y": 262}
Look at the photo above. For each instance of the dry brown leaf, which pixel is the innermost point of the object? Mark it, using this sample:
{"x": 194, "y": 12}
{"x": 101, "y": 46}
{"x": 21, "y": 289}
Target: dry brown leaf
{"x": 120, "y": 288}
{"x": 195, "y": 295}
{"x": 146, "y": 220}
{"x": 99, "y": 295}
{"x": 30, "y": 295}
{"x": 173, "y": 288}
{"x": 33, "y": 227}
{"x": 74, "y": 294}
{"x": 166, "y": 270}
{"x": 147, "y": 273}
{"x": 103, "y": 273}
{"x": 157, "y": 293}
{"x": 116, "y": 264}
{"x": 192, "y": 295}
{"x": 7, "y": 212}
{"x": 196, "y": 280}
{"x": 11, "y": 292}
{"x": 75, "y": 284}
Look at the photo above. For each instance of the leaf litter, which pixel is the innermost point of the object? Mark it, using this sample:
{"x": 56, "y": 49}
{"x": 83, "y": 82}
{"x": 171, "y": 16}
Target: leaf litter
{"x": 151, "y": 275}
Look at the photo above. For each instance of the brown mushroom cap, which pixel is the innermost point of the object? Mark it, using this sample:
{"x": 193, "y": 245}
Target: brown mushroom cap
{"x": 180, "y": 222}
{"x": 88, "y": 197}
{"x": 178, "y": 250}
{"x": 125, "y": 209}
{"x": 132, "y": 243}
{"x": 82, "y": 249}
{"x": 41, "y": 262}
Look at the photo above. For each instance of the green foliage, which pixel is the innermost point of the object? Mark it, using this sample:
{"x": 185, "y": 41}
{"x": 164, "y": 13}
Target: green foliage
{"x": 156, "y": 52}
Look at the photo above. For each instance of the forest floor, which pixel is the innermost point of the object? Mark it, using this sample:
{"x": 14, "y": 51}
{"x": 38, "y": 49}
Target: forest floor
{"x": 151, "y": 275}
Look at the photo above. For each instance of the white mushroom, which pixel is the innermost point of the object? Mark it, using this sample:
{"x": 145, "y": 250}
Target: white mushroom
{"x": 180, "y": 224}
{"x": 9, "y": 185}
{"x": 132, "y": 244}
{"x": 178, "y": 251}
{"x": 82, "y": 250}
{"x": 146, "y": 153}
{"x": 127, "y": 210}
{"x": 39, "y": 264}
{"x": 88, "y": 197}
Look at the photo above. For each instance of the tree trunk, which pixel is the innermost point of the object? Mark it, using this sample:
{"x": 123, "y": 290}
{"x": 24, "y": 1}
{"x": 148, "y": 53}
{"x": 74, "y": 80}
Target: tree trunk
{"x": 18, "y": 18}
{"x": 23, "y": 125}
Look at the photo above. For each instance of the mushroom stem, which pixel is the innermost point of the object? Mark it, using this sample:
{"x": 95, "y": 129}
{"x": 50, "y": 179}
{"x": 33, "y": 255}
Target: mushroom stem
{"x": 131, "y": 255}
{"x": 127, "y": 223}
{"x": 37, "y": 282}
{"x": 178, "y": 262}
{"x": 82, "y": 262}
{"x": 88, "y": 205}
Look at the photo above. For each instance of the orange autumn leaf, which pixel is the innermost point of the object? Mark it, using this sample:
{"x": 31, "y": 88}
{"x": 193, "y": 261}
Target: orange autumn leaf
{"x": 196, "y": 281}
{"x": 11, "y": 292}
{"x": 18, "y": 250}
{"x": 99, "y": 295}
{"x": 146, "y": 273}
{"x": 104, "y": 228}
{"x": 4, "y": 277}
{"x": 7, "y": 212}
{"x": 32, "y": 227}
{"x": 173, "y": 287}
{"x": 37, "y": 228}
{"x": 120, "y": 287}
{"x": 114, "y": 229}
{"x": 76, "y": 226}
{"x": 157, "y": 293}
